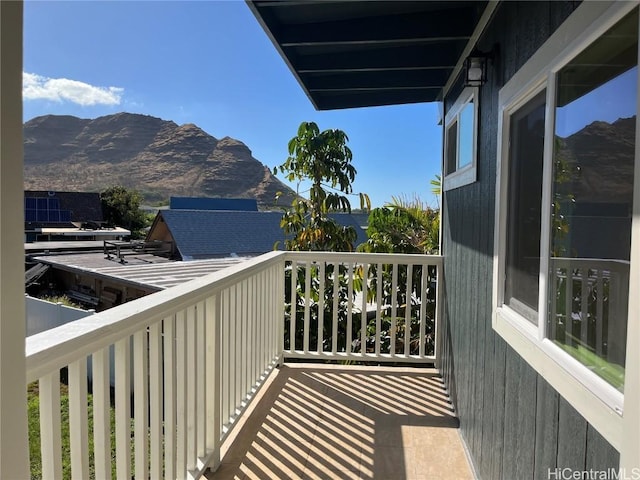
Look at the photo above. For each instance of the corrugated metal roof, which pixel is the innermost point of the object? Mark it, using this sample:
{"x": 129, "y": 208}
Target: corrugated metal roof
{"x": 144, "y": 271}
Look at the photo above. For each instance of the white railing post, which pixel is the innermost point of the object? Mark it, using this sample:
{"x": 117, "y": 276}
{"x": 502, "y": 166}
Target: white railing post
{"x": 213, "y": 380}
{"x": 50, "y": 430}
{"x": 78, "y": 425}
{"x": 320, "y": 326}
{"x": 191, "y": 401}
{"x": 155, "y": 399}
{"x": 437, "y": 348}
{"x": 123, "y": 411}
{"x": 363, "y": 313}
{"x": 201, "y": 376}
{"x": 101, "y": 413}
{"x": 294, "y": 301}
{"x": 141, "y": 404}
{"x": 336, "y": 299}
{"x": 170, "y": 397}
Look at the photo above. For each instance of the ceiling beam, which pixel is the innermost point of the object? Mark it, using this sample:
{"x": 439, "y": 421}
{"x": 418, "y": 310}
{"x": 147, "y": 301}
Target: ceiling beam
{"x": 415, "y": 56}
{"x": 381, "y": 79}
{"x": 388, "y": 29}
{"x": 350, "y": 99}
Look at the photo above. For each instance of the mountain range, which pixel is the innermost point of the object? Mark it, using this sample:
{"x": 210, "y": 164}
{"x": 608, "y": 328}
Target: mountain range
{"x": 159, "y": 158}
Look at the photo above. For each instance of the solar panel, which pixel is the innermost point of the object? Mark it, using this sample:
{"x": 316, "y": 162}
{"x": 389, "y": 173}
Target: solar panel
{"x": 45, "y": 210}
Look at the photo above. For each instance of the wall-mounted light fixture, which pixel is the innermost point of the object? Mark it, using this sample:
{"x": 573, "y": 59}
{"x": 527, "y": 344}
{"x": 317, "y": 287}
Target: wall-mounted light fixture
{"x": 475, "y": 67}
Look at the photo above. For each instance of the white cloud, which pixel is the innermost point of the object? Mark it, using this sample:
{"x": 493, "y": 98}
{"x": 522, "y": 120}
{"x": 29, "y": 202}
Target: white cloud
{"x": 37, "y": 87}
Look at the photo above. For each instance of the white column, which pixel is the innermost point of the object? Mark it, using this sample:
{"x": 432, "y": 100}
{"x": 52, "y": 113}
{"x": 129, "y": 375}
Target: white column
{"x": 13, "y": 402}
{"x": 630, "y": 442}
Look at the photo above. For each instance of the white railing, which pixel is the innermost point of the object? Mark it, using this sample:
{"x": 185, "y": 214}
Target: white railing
{"x": 589, "y": 297}
{"x": 197, "y": 352}
{"x": 328, "y": 321}
{"x": 186, "y": 361}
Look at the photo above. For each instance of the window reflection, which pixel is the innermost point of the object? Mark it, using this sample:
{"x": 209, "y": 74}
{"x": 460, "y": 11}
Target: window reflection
{"x": 593, "y": 163}
{"x": 466, "y": 136}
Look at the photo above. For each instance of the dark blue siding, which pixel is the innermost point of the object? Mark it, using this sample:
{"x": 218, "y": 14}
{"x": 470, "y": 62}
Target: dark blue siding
{"x": 514, "y": 423}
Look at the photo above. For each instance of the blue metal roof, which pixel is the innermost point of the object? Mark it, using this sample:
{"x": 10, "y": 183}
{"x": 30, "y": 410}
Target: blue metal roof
{"x": 218, "y": 233}
{"x": 207, "y": 203}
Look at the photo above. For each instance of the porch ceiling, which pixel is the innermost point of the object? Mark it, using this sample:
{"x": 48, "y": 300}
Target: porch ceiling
{"x": 365, "y": 53}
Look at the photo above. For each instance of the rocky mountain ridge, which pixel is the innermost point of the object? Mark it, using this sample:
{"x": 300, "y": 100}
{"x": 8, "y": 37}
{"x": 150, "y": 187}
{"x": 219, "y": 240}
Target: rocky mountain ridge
{"x": 600, "y": 158}
{"x": 157, "y": 157}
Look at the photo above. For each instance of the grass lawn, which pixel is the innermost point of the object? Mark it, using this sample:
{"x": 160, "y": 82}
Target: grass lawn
{"x": 33, "y": 402}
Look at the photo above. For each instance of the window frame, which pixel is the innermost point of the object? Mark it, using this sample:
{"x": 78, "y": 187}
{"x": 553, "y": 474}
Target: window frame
{"x": 599, "y": 402}
{"x": 466, "y": 174}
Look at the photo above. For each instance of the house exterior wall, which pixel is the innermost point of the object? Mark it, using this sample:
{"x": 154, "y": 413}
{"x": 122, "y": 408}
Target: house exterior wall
{"x": 514, "y": 423}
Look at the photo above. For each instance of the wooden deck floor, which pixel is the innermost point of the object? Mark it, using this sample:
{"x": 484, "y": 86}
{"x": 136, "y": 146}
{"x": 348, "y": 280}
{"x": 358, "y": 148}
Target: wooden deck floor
{"x": 336, "y": 422}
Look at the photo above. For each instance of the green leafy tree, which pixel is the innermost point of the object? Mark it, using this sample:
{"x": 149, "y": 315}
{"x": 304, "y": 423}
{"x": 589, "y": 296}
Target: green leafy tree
{"x": 403, "y": 226}
{"x": 324, "y": 159}
{"x": 121, "y": 207}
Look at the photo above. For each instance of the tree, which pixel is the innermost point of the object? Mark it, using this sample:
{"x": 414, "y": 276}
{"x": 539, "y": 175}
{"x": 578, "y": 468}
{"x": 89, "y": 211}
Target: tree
{"x": 121, "y": 207}
{"x": 324, "y": 159}
{"x": 403, "y": 226}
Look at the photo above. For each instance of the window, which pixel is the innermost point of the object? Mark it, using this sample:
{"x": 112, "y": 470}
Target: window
{"x": 592, "y": 200}
{"x": 523, "y": 207}
{"x": 460, "y": 141}
{"x": 564, "y": 209}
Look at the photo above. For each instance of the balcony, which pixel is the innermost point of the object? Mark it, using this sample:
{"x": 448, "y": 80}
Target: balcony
{"x": 192, "y": 380}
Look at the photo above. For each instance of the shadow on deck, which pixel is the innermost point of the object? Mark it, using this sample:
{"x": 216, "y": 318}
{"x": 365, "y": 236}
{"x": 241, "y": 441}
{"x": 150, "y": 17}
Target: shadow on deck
{"x": 337, "y": 422}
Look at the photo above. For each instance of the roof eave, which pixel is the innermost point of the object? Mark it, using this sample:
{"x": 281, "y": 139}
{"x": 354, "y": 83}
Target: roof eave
{"x": 266, "y": 29}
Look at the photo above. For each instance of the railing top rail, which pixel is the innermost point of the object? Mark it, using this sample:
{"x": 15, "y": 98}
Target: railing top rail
{"x": 58, "y": 347}
{"x": 361, "y": 257}
{"x": 593, "y": 262}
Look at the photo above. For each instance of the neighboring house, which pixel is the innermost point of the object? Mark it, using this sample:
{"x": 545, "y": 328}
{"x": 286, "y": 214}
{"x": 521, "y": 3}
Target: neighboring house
{"x": 200, "y": 234}
{"x": 66, "y": 216}
{"x": 540, "y": 331}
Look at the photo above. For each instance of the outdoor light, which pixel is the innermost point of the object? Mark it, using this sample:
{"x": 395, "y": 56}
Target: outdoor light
{"x": 475, "y": 67}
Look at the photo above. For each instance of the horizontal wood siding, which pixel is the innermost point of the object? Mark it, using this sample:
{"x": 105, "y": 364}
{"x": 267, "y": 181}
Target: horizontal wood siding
{"x": 514, "y": 423}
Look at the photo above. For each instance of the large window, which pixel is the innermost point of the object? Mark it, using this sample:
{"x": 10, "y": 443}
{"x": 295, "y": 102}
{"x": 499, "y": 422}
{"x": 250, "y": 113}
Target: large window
{"x": 461, "y": 141}
{"x": 592, "y": 193}
{"x": 565, "y": 209}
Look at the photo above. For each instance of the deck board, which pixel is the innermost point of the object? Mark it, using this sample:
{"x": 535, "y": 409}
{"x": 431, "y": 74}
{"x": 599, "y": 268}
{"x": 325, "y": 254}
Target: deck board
{"x": 341, "y": 422}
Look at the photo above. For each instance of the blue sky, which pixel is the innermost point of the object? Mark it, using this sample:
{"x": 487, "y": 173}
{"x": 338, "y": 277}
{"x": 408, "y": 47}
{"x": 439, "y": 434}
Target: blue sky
{"x": 210, "y": 63}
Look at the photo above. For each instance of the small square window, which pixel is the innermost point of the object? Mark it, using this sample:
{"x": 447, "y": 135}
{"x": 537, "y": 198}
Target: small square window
{"x": 461, "y": 141}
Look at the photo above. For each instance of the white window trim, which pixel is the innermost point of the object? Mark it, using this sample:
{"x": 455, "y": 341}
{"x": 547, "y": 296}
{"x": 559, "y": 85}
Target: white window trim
{"x": 615, "y": 416}
{"x": 467, "y": 174}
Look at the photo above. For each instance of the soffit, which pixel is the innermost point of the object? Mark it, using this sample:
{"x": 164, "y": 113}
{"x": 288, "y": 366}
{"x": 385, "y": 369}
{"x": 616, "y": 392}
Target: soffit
{"x": 366, "y": 53}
